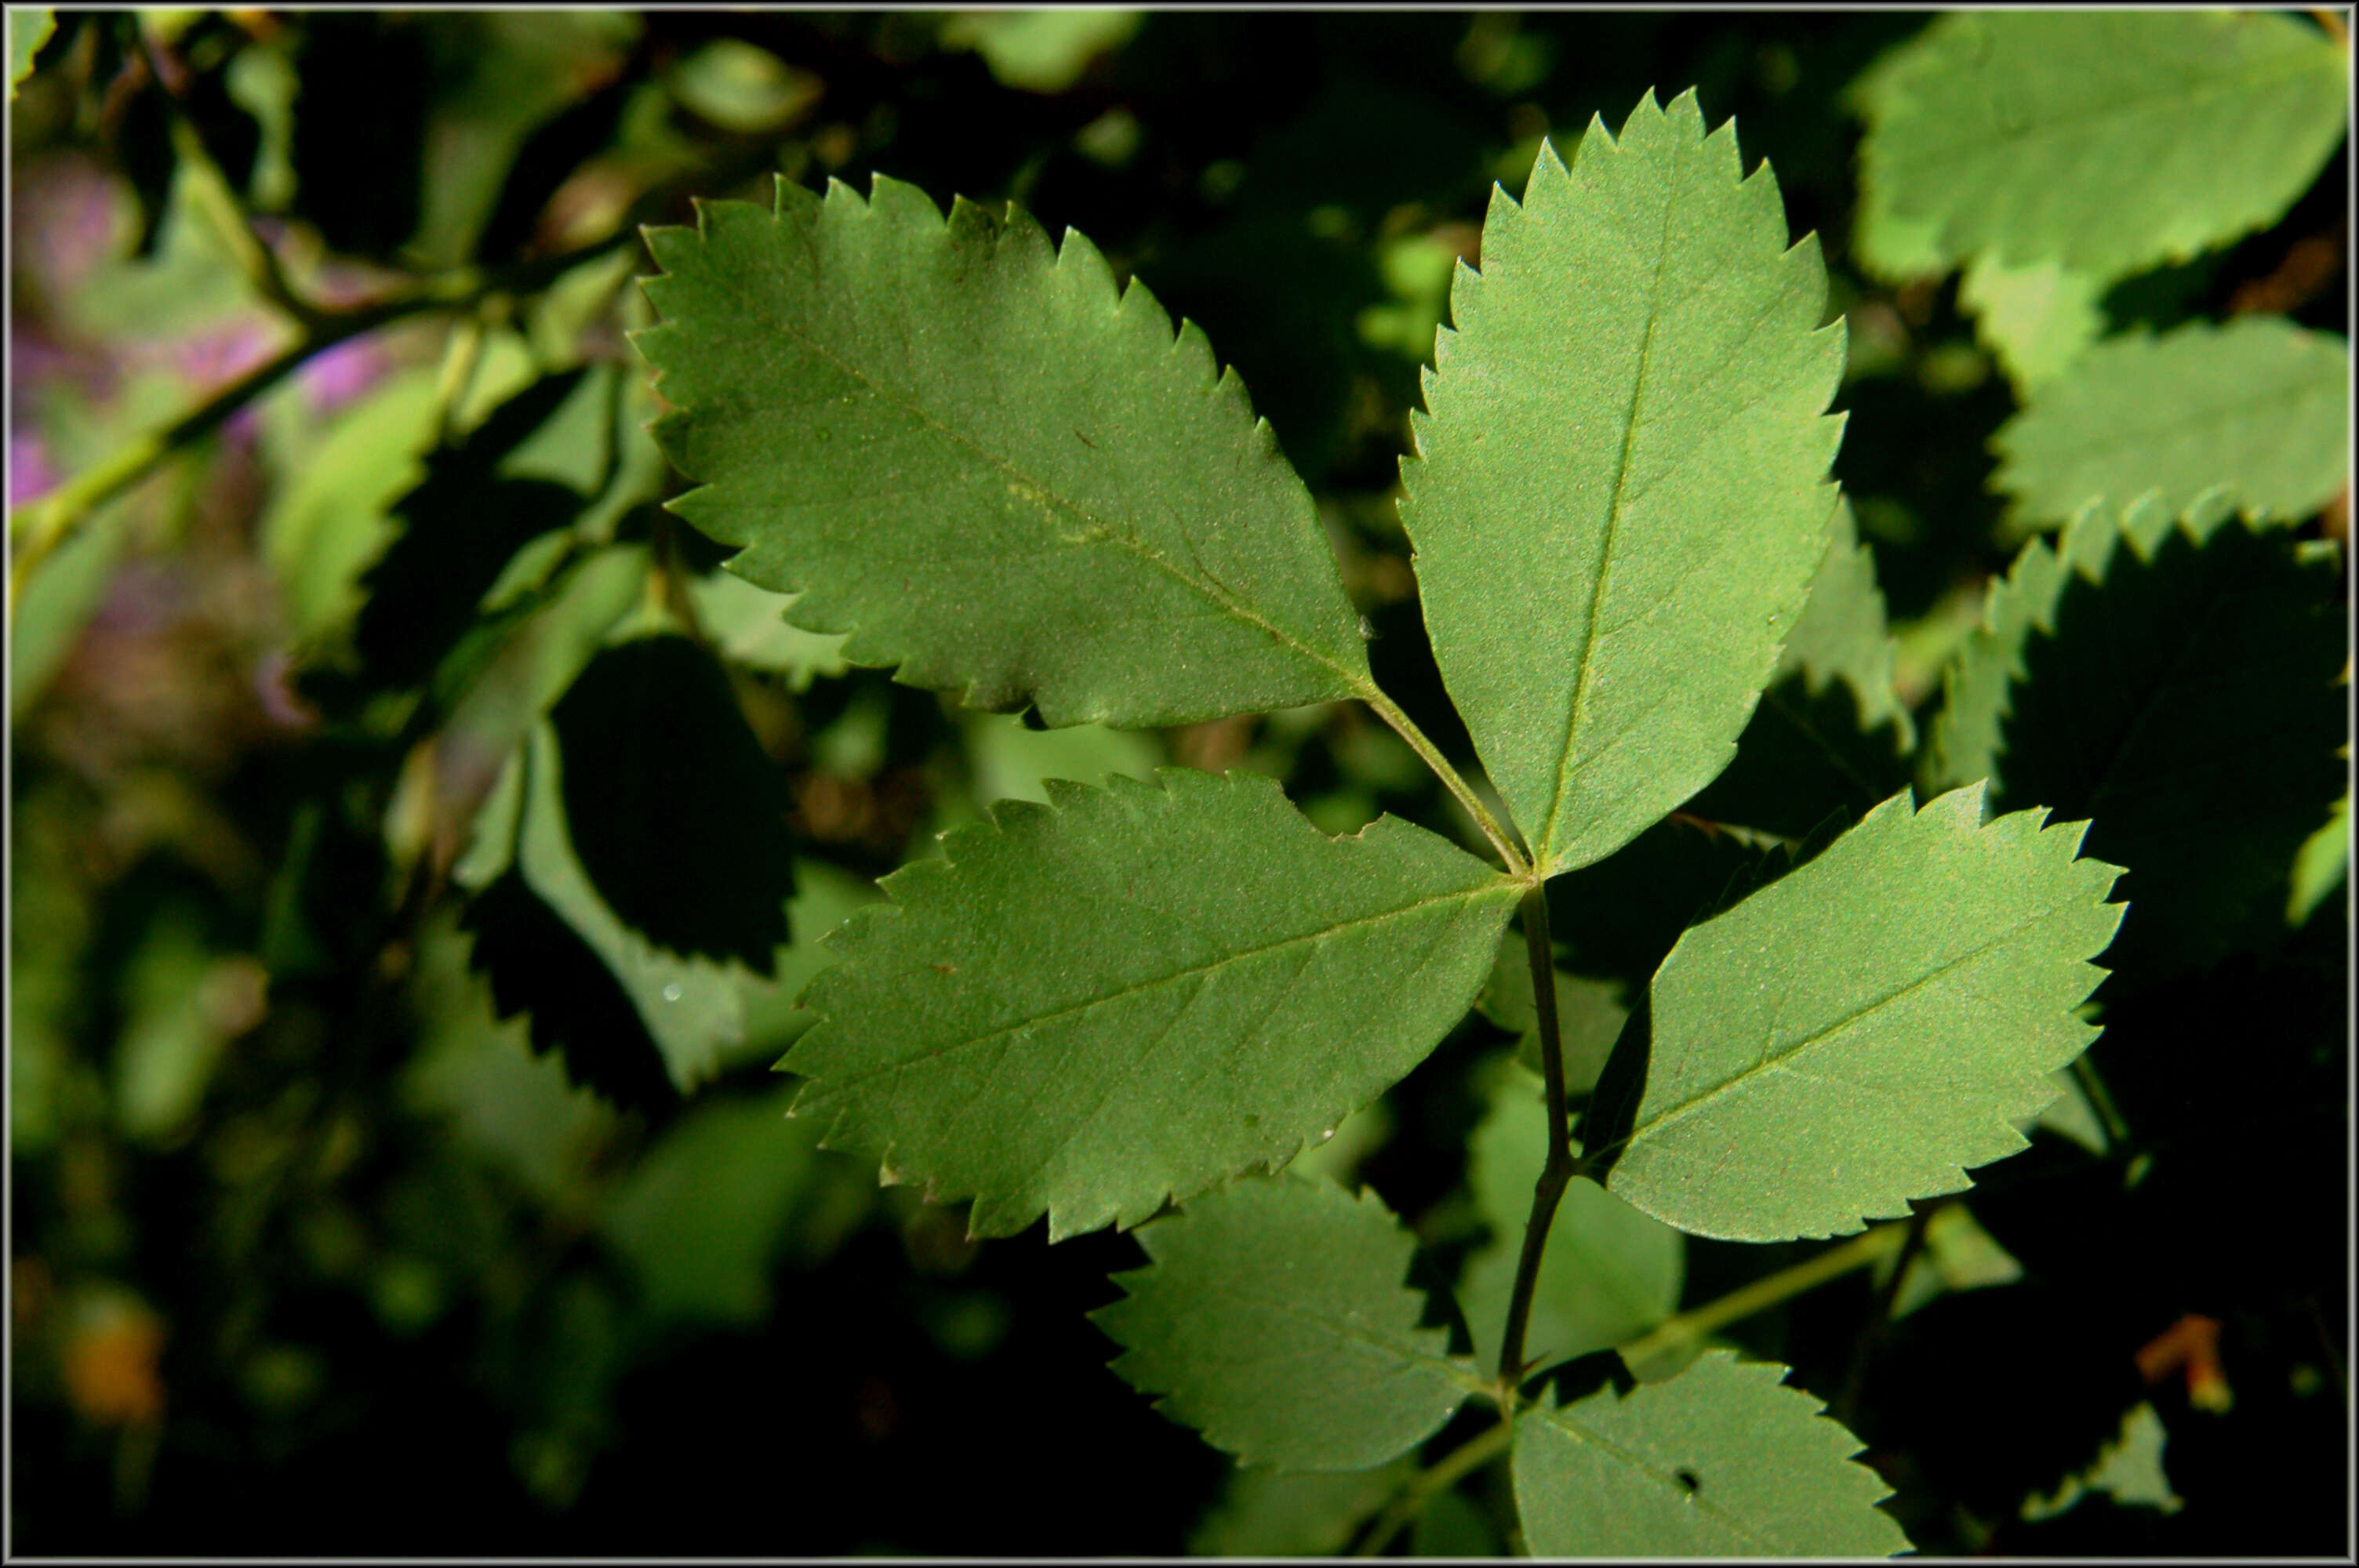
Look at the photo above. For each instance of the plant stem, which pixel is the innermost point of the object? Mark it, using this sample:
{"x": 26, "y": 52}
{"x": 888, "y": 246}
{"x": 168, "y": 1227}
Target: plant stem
{"x": 1430, "y": 1483}
{"x": 2101, "y": 1100}
{"x": 1548, "y": 1191}
{"x": 1406, "y": 727}
{"x": 1879, "y": 1320}
{"x": 1675, "y": 1333}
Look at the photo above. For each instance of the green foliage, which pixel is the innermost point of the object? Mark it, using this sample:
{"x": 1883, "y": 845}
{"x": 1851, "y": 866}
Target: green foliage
{"x": 2104, "y": 141}
{"x": 29, "y": 28}
{"x": 1941, "y": 951}
{"x": 1274, "y": 1513}
{"x": 651, "y": 726}
{"x": 450, "y": 770}
{"x": 1616, "y": 691}
{"x": 1813, "y": 746}
{"x": 1086, "y": 516}
{"x": 2258, "y": 406}
{"x": 1271, "y": 1001}
{"x": 1272, "y": 1318}
{"x": 1720, "y": 1460}
{"x": 1609, "y": 1272}
{"x": 2194, "y": 677}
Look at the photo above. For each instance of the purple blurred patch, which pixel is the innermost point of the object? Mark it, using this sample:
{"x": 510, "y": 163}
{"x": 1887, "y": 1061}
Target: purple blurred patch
{"x": 30, "y": 477}
{"x": 344, "y": 373}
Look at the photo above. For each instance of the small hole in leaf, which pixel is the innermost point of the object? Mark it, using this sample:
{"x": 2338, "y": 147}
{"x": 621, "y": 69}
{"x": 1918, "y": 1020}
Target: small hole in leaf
{"x": 1689, "y": 1480}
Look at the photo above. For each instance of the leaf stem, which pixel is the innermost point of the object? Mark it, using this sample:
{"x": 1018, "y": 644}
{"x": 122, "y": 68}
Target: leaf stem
{"x": 1426, "y": 1485}
{"x": 1548, "y": 1191}
{"x": 2101, "y": 1100}
{"x": 1677, "y": 1333}
{"x": 1406, "y": 727}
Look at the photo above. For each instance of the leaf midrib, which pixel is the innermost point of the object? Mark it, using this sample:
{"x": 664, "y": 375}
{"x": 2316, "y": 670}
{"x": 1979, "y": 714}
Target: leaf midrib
{"x": 1214, "y": 592}
{"x": 1589, "y": 637}
{"x": 1777, "y": 1062}
{"x": 1495, "y": 888}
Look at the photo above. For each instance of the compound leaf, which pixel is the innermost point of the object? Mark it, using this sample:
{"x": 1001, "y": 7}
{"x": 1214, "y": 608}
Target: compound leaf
{"x": 2108, "y": 141}
{"x": 2184, "y": 680}
{"x": 1719, "y": 1461}
{"x": 1273, "y": 1317}
{"x": 1134, "y": 993}
{"x": 970, "y": 451}
{"x": 1661, "y": 511}
{"x": 2259, "y": 406}
{"x": 1609, "y": 1273}
{"x": 1859, "y": 1032}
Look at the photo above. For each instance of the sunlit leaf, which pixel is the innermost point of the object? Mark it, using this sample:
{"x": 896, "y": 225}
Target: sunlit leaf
{"x": 1206, "y": 983}
{"x": 1273, "y": 1317}
{"x": 1719, "y": 1461}
{"x": 1660, "y": 515}
{"x": 2107, "y": 141}
{"x": 970, "y": 451}
{"x": 2259, "y": 406}
{"x": 1866, "y": 1029}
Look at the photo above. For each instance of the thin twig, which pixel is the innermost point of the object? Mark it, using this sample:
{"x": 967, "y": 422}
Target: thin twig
{"x": 1879, "y": 1319}
{"x": 1429, "y": 1484}
{"x": 1697, "y": 1323}
{"x": 46, "y": 524}
{"x": 1390, "y": 712}
{"x": 1548, "y": 1191}
{"x": 2101, "y": 1099}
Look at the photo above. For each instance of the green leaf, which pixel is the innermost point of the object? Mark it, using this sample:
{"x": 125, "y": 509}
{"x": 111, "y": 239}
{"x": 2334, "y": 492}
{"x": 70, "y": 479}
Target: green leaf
{"x": 652, "y": 735}
{"x": 1833, "y": 734}
{"x": 1963, "y": 745}
{"x": 1609, "y": 561}
{"x": 1041, "y": 52}
{"x": 2323, "y": 863}
{"x": 826, "y": 895}
{"x": 1860, "y": 1031}
{"x": 1618, "y": 918}
{"x": 327, "y": 518}
{"x": 2259, "y": 406}
{"x": 1609, "y": 1272}
{"x": 460, "y": 526}
{"x": 969, "y": 451}
{"x": 730, "y": 1192}
{"x": 1132, "y": 994}
{"x": 2037, "y": 318}
{"x": 1589, "y": 1015}
{"x": 553, "y": 946}
{"x": 2187, "y": 682}
{"x": 1012, "y": 762}
{"x": 2108, "y": 142}
{"x": 29, "y": 28}
{"x": 1273, "y": 1317}
{"x": 1276, "y": 1513}
{"x": 748, "y": 626}
{"x": 1719, "y": 1461}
